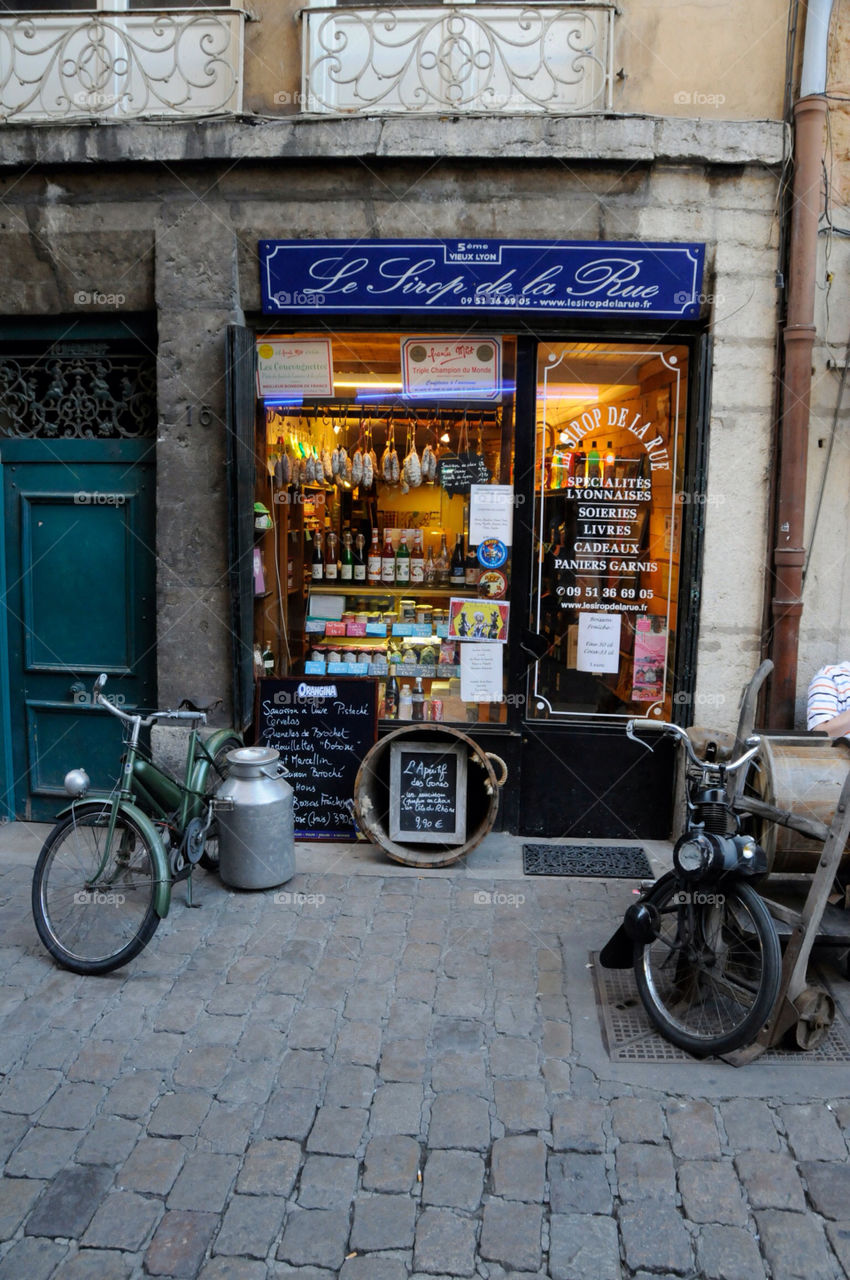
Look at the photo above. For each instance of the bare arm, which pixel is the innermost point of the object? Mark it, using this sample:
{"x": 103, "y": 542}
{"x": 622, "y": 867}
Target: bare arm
{"x": 837, "y": 726}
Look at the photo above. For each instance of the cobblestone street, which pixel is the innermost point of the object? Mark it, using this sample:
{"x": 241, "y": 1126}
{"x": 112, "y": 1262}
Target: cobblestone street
{"x": 380, "y": 1073}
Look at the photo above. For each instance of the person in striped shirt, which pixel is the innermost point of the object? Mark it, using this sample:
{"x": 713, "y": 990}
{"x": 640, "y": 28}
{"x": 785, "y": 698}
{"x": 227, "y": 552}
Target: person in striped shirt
{"x": 828, "y": 706}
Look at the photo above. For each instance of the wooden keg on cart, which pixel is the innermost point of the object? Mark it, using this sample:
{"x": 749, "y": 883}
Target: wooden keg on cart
{"x": 803, "y": 773}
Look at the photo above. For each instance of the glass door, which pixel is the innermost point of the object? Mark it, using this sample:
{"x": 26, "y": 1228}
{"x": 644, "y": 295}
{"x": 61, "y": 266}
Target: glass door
{"x": 609, "y": 466}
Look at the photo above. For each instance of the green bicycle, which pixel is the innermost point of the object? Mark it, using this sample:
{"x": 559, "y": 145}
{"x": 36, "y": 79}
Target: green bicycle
{"x": 103, "y": 878}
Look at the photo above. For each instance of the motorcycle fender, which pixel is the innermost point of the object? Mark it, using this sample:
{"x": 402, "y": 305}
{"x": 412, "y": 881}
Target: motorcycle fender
{"x": 619, "y": 951}
{"x": 162, "y": 897}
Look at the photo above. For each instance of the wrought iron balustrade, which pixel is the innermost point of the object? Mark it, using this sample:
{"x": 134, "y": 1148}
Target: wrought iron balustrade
{"x": 462, "y": 58}
{"x": 120, "y": 65}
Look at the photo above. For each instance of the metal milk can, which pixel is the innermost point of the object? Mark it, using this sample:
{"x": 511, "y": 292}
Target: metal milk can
{"x": 254, "y": 811}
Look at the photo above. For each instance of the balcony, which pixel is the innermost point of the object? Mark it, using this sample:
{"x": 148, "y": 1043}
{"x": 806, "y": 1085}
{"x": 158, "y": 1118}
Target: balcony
{"x": 120, "y": 65}
{"x": 472, "y": 59}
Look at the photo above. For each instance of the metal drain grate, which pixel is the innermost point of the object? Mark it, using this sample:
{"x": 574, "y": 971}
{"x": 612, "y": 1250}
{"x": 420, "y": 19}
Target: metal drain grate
{"x": 616, "y": 860}
{"x": 630, "y": 1037}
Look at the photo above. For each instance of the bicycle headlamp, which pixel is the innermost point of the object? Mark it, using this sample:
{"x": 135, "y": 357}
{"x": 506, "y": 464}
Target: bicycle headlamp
{"x": 76, "y": 783}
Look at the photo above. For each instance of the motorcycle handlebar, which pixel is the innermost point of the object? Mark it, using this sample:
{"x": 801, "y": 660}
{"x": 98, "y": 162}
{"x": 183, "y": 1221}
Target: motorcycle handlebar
{"x": 663, "y": 726}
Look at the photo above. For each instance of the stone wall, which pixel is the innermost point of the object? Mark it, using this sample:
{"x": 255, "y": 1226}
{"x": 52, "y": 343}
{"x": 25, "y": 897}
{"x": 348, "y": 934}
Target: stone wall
{"x": 180, "y": 240}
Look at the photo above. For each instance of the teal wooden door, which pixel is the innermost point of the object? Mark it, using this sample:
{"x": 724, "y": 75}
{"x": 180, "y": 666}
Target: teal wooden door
{"x": 80, "y": 597}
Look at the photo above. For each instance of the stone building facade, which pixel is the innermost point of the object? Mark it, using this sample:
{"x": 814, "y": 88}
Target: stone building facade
{"x": 152, "y": 226}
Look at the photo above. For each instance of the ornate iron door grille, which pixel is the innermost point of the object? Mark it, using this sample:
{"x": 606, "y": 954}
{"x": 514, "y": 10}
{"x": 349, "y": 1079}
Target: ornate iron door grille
{"x": 77, "y": 392}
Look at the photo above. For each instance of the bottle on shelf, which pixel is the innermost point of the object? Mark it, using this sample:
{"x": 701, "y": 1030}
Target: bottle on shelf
{"x": 318, "y": 560}
{"x": 418, "y": 701}
{"x": 579, "y": 467}
{"x": 402, "y": 562}
{"x": 471, "y": 568}
{"x": 388, "y": 561}
{"x": 417, "y": 561}
{"x": 557, "y": 470}
{"x": 391, "y": 695}
{"x": 331, "y": 565}
{"x": 443, "y": 566}
{"x": 268, "y": 661}
{"x": 359, "y": 559}
{"x": 346, "y": 559}
{"x": 429, "y": 572}
{"x": 457, "y": 571}
{"x": 405, "y": 703}
{"x": 594, "y": 470}
{"x": 608, "y": 465}
{"x": 373, "y": 566}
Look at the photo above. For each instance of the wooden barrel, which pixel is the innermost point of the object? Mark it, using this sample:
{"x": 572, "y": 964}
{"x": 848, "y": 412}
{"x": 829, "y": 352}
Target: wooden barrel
{"x": 372, "y": 795}
{"x": 803, "y": 774}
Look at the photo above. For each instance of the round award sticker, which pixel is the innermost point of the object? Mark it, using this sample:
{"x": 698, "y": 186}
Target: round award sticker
{"x": 492, "y": 553}
{"x": 493, "y": 584}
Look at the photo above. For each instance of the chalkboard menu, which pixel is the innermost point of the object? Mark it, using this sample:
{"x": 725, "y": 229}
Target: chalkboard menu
{"x": 457, "y": 471}
{"x": 322, "y": 728}
{"x": 428, "y": 793}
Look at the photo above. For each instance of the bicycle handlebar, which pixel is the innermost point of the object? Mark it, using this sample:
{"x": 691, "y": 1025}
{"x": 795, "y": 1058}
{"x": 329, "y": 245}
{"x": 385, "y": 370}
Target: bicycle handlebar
{"x": 144, "y": 721}
{"x": 663, "y": 726}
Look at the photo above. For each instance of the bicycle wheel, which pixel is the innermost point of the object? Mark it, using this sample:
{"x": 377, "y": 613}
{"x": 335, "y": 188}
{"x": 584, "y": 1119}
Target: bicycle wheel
{"x": 710, "y": 976}
{"x": 92, "y": 900}
{"x": 219, "y": 770}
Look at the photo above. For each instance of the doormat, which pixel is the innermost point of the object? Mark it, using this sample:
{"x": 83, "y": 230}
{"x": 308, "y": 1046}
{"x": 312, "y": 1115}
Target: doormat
{"x": 615, "y": 860}
{"x": 629, "y": 1035}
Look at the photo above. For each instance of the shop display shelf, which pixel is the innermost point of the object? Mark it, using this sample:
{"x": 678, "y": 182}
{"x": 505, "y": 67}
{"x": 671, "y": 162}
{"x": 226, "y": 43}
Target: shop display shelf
{"x": 386, "y": 589}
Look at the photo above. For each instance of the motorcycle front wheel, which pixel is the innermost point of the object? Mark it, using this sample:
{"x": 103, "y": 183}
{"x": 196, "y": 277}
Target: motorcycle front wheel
{"x": 710, "y": 976}
{"x": 92, "y": 898}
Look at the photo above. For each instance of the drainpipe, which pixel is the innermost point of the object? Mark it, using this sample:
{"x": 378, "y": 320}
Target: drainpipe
{"x": 798, "y": 342}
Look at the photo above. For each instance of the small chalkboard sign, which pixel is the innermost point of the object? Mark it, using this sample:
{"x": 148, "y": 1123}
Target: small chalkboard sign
{"x": 458, "y": 471}
{"x": 322, "y": 727}
{"x": 427, "y": 793}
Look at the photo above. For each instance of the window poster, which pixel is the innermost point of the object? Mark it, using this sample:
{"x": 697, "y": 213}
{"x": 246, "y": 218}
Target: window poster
{"x": 650, "y": 659}
{"x": 483, "y": 620}
{"x": 294, "y": 367}
{"x": 491, "y": 511}
{"x": 468, "y": 368}
{"x": 480, "y": 673}
{"x": 598, "y": 642}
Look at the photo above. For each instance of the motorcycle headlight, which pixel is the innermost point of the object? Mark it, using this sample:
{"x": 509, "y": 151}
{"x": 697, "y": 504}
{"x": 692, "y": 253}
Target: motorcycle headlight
{"x": 693, "y": 856}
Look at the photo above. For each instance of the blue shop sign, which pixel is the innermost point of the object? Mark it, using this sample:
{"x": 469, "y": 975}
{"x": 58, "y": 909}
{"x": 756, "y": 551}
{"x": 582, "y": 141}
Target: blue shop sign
{"x": 587, "y": 277}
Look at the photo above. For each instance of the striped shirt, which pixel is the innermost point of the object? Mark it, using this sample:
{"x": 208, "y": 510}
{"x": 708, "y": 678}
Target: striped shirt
{"x": 829, "y": 694}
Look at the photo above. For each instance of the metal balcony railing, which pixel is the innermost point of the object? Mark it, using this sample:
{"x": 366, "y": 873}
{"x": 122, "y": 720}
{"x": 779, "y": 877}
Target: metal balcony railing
{"x": 460, "y": 58}
{"x": 120, "y": 65}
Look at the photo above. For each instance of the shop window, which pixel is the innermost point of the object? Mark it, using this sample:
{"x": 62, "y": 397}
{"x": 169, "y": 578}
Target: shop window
{"x": 384, "y": 516}
{"x": 607, "y": 528}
